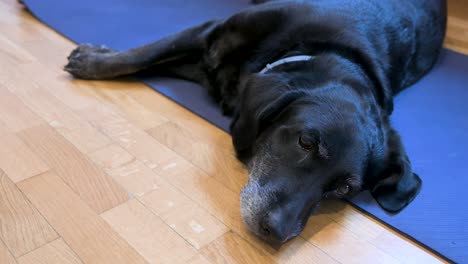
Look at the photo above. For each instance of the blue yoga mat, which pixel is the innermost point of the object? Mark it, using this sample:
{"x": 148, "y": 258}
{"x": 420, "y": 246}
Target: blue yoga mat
{"x": 431, "y": 116}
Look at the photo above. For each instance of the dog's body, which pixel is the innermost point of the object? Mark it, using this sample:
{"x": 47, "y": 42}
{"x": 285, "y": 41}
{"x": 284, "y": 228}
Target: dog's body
{"x": 309, "y": 129}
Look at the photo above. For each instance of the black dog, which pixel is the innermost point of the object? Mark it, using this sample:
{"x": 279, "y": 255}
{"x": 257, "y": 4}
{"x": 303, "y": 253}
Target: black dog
{"x": 311, "y": 86}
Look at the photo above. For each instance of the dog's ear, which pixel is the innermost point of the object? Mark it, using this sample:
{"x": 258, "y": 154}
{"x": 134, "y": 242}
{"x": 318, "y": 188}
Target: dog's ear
{"x": 255, "y": 114}
{"x": 396, "y": 185}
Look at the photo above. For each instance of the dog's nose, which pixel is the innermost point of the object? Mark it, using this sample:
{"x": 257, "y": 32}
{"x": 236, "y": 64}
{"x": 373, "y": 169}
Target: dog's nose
{"x": 273, "y": 229}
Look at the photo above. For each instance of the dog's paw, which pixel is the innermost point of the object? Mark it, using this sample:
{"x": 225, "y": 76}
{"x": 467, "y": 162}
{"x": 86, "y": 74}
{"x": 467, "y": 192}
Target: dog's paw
{"x": 88, "y": 61}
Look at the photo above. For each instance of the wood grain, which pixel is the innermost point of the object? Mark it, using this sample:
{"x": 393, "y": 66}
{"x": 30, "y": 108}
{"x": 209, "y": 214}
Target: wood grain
{"x": 79, "y": 94}
{"x": 198, "y": 259}
{"x": 22, "y": 228}
{"x": 17, "y": 160}
{"x": 128, "y": 106}
{"x": 55, "y": 252}
{"x": 87, "y": 234}
{"x": 126, "y": 170}
{"x": 458, "y": 8}
{"x": 14, "y": 114}
{"x": 193, "y": 223}
{"x": 71, "y": 126}
{"x": 148, "y": 234}
{"x": 164, "y": 200}
{"x": 11, "y": 52}
{"x": 215, "y": 161}
{"x": 58, "y": 83}
{"x": 5, "y": 255}
{"x": 457, "y": 26}
{"x": 198, "y": 127}
{"x": 376, "y": 233}
{"x": 403, "y": 250}
{"x": 323, "y": 232}
{"x": 91, "y": 184}
{"x": 134, "y": 140}
{"x": 231, "y": 248}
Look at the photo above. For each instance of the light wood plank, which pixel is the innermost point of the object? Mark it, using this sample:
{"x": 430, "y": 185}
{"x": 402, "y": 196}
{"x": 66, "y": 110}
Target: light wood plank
{"x": 403, "y": 250}
{"x": 28, "y": 36}
{"x": 165, "y": 108}
{"x": 230, "y": 248}
{"x": 11, "y": 52}
{"x": 58, "y": 83}
{"x": 56, "y": 252}
{"x": 134, "y": 140}
{"x": 22, "y": 228}
{"x": 95, "y": 187}
{"x": 80, "y": 94}
{"x": 458, "y": 9}
{"x": 17, "y": 160}
{"x": 130, "y": 108}
{"x": 374, "y": 232}
{"x": 206, "y": 192}
{"x": 348, "y": 217}
{"x": 6, "y": 9}
{"x": 87, "y": 234}
{"x": 148, "y": 234}
{"x": 338, "y": 242}
{"x": 14, "y": 114}
{"x": 215, "y": 161}
{"x": 198, "y": 259}
{"x": 197, "y": 126}
{"x": 76, "y": 94}
{"x": 165, "y": 200}
{"x": 33, "y": 93}
{"x": 129, "y": 172}
{"x": 457, "y": 27}
{"x": 301, "y": 251}
{"x": 5, "y": 255}
{"x": 193, "y": 223}
{"x": 76, "y": 130}
{"x": 44, "y": 104}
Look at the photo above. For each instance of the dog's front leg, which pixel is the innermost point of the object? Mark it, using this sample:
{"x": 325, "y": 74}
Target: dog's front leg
{"x": 99, "y": 62}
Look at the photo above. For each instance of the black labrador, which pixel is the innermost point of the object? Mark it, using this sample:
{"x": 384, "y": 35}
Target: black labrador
{"x": 310, "y": 85}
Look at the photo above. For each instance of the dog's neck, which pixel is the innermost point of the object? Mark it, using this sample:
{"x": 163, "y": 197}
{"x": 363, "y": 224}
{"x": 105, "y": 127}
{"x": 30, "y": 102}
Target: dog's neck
{"x": 290, "y": 59}
{"x": 315, "y": 71}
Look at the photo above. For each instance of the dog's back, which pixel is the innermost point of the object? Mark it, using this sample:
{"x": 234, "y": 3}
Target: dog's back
{"x": 404, "y": 37}
{"x": 431, "y": 20}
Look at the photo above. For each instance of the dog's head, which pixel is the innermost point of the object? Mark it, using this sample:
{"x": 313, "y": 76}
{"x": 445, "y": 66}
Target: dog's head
{"x": 301, "y": 148}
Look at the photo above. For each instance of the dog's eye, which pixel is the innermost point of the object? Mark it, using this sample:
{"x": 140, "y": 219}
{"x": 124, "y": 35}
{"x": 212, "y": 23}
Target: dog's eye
{"x": 343, "y": 190}
{"x": 306, "y": 142}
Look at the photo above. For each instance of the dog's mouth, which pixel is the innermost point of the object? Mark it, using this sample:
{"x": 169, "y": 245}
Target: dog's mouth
{"x": 278, "y": 244}
{"x": 274, "y": 226}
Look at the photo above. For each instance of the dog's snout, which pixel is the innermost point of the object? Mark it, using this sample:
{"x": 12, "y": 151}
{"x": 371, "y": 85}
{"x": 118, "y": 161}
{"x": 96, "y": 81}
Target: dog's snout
{"x": 265, "y": 228}
{"x": 273, "y": 228}
{"x": 271, "y": 217}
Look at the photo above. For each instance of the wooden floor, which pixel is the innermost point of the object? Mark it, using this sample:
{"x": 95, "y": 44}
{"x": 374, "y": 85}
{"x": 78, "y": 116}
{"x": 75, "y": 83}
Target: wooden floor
{"x": 113, "y": 172}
